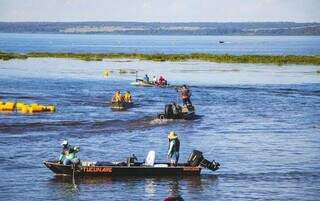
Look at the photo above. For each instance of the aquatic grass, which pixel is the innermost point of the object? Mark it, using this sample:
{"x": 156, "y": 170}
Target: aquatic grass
{"x": 8, "y": 56}
{"x": 123, "y": 71}
{"x": 225, "y": 58}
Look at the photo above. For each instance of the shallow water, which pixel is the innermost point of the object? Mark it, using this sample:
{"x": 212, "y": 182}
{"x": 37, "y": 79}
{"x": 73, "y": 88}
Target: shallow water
{"x": 261, "y": 122}
{"x": 270, "y": 45}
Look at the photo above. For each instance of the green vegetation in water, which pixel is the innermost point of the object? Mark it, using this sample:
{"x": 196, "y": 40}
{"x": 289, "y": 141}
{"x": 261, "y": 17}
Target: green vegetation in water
{"x": 7, "y": 56}
{"x": 123, "y": 71}
{"x": 226, "y": 58}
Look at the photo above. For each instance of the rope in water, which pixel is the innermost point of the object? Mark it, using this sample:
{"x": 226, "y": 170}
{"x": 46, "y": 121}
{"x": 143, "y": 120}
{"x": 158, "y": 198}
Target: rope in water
{"x": 73, "y": 178}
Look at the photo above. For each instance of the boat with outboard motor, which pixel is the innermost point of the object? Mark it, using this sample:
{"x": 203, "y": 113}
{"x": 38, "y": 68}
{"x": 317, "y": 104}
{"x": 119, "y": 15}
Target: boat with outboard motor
{"x": 131, "y": 167}
{"x": 120, "y": 106}
{"x": 175, "y": 111}
{"x": 143, "y": 83}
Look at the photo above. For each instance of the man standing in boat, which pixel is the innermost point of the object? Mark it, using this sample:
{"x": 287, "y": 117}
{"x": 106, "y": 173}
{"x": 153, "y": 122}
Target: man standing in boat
{"x": 185, "y": 93}
{"x": 174, "y": 147}
{"x": 68, "y": 154}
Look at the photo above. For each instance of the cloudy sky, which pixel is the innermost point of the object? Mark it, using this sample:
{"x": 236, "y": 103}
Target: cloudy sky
{"x": 160, "y": 10}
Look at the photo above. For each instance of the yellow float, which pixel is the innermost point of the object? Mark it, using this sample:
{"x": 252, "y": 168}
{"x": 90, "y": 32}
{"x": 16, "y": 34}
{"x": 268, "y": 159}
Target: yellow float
{"x": 19, "y": 105}
{"x": 106, "y": 73}
{"x": 7, "y": 106}
{"x": 25, "y": 108}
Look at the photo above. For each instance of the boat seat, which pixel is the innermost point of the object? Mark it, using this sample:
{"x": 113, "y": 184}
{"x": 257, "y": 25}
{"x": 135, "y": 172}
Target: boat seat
{"x": 161, "y": 165}
{"x": 151, "y": 157}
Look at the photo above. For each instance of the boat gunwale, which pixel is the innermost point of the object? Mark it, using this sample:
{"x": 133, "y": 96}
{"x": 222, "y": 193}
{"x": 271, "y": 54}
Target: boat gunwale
{"x": 55, "y": 163}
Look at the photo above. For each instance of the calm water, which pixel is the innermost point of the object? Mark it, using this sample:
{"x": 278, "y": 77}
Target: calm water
{"x": 261, "y": 122}
{"x": 300, "y": 45}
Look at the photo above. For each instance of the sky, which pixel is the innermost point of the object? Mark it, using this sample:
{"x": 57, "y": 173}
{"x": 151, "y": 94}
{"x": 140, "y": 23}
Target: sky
{"x": 160, "y": 10}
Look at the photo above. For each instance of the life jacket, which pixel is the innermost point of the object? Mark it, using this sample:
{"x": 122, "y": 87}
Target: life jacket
{"x": 127, "y": 97}
{"x": 162, "y": 80}
{"x": 69, "y": 152}
{"x": 117, "y": 97}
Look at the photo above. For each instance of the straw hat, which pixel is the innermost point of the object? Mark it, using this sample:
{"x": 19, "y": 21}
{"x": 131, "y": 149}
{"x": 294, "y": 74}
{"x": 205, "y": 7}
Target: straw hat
{"x": 172, "y": 135}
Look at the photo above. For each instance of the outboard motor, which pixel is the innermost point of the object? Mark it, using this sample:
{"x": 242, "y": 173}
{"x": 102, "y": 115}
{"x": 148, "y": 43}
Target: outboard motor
{"x": 168, "y": 111}
{"x": 196, "y": 159}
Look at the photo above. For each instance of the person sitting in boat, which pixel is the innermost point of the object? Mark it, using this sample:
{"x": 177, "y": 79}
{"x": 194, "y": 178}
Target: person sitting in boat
{"x": 117, "y": 97}
{"x": 154, "y": 80}
{"x": 162, "y": 81}
{"x": 174, "y": 147}
{"x": 68, "y": 154}
{"x": 128, "y": 97}
{"x": 185, "y": 93}
{"x": 146, "y": 78}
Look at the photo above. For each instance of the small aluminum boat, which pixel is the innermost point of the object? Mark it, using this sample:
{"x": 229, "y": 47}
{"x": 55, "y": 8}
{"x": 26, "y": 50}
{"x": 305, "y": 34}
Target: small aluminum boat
{"x": 131, "y": 168}
{"x": 120, "y": 106}
{"x": 178, "y": 112}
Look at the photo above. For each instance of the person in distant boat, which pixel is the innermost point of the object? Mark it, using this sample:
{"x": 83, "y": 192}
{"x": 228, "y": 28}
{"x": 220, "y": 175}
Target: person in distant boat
{"x": 174, "y": 147}
{"x": 146, "y": 78}
{"x": 162, "y": 81}
{"x": 117, "y": 97}
{"x": 128, "y": 97}
{"x": 154, "y": 80}
{"x": 185, "y": 93}
{"x": 68, "y": 154}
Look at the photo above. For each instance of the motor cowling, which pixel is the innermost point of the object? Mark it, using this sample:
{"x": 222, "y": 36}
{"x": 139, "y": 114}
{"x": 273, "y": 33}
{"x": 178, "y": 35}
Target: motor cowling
{"x": 168, "y": 110}
{"x": 196, "y": 159}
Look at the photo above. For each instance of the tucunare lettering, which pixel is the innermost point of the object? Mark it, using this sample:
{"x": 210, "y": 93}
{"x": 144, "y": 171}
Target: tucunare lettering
{"x": 98, "y": 169}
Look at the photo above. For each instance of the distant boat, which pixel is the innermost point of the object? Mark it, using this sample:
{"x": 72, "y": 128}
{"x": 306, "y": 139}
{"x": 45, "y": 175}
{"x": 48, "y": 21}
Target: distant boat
{"x": 221, "y": 41}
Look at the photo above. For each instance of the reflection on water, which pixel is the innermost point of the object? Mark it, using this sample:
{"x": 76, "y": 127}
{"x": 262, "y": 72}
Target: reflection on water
{"x": 171, "y": 187}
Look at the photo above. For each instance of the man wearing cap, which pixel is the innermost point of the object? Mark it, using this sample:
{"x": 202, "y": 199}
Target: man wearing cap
{"x": 68, "y": 154}
{"x": 174, "y": 146}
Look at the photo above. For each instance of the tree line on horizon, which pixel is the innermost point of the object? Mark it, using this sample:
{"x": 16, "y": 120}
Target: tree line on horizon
{"x": 158, "y": 28}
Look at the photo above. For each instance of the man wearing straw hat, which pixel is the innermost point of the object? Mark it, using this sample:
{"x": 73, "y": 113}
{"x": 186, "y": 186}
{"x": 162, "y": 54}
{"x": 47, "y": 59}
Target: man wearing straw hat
{"x": 174, "y": 146}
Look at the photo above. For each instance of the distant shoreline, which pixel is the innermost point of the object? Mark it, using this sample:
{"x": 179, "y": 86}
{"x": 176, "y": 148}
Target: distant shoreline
{"x": 166, "y": 28}
{"x": 226, "y": 58}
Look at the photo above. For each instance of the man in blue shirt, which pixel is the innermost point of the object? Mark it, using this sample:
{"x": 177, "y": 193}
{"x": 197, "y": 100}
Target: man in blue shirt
{"x": 174, "y": 147}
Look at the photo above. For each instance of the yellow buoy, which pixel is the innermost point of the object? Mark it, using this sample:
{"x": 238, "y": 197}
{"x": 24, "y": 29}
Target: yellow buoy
{"x": 8, "y": 106}
{"x": 50, "y": 108}
{"x": 106, "y": 73}
{"x": 19, "y": 105}
{"x": 36, "y": 107}
{"x": 25, "y": 109}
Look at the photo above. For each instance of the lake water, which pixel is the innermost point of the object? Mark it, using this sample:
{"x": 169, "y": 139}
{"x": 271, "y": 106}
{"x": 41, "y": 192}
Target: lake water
{"x": 261, "y": 122}
{"x": 270, "y": 45}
